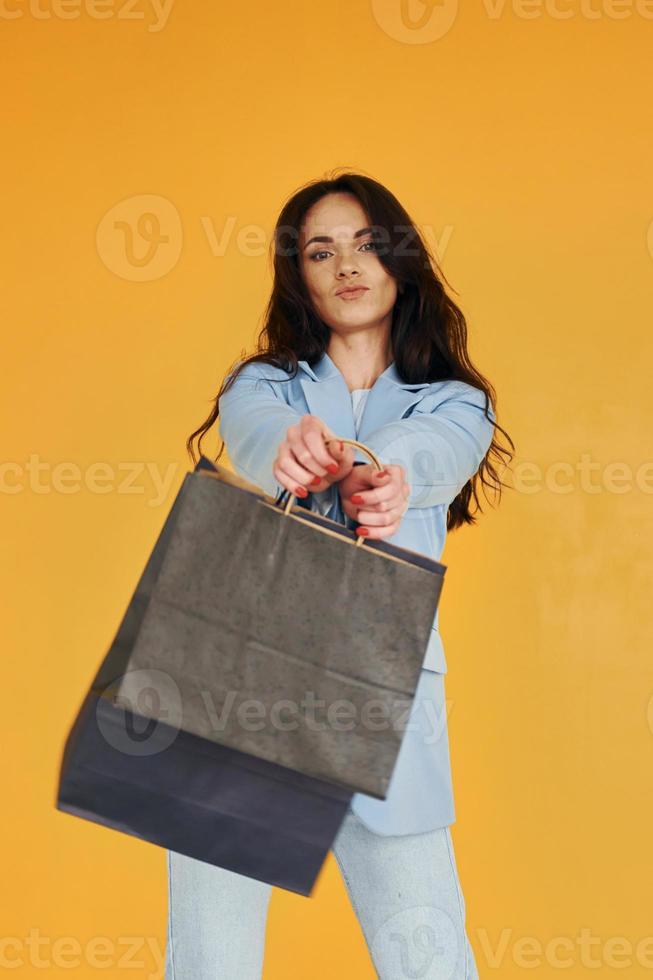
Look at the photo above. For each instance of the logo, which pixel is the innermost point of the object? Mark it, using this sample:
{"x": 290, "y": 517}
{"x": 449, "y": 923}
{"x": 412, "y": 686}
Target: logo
{"x": 415, "y": 21}
{"x": 132, "y": 730}
{"x": 140, "y": 238}
{"x": 420, "y": 943}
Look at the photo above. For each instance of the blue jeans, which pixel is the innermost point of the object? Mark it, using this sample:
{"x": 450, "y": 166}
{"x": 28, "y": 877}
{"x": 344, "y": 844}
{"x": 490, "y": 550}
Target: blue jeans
{"x": 404, "y": 889}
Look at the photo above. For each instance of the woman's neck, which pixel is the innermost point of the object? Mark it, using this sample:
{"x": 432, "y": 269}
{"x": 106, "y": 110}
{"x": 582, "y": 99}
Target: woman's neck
{"x": 359, "y": 363}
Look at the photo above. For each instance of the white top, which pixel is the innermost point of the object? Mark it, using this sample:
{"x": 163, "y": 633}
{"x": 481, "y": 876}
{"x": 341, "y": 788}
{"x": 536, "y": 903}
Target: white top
{"x": 358, "y": 399}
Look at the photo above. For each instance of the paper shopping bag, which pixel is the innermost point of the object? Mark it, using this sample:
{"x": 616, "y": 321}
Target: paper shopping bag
{"x": 149, "y": 779}
{"x": 198, "y": 798}
{"x": 276, "y": 632}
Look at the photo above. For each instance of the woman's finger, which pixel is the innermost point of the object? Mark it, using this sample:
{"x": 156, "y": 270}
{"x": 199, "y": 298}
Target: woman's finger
{"x": 381, "y": 518}
{"x": 323, "y": 455}
{"x": 306, "y": 456}
{"x": 346, "y": 454}
{"x": 400, "y": 500}
{"x": 387, "y": 491}
{"x": 309, "y": 436}
{"x": 288, "y": 482}
{"x": 295, "y": 474}
{"x": 378, "y": 532}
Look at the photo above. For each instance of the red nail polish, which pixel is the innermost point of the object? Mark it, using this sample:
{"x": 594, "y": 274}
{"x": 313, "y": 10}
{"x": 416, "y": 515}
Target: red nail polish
{"x": 333, "y": 467}
{"x": 301, "y": 492}
{"x": 362, "y": 531}
{"x": 383, "y": 473}
{"x": 315, "y": 481}
{"x": 357, "y": 499}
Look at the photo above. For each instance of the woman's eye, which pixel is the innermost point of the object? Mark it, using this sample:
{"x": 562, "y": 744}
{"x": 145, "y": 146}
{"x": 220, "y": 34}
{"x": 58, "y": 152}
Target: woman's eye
{"x": 315, "y": 257}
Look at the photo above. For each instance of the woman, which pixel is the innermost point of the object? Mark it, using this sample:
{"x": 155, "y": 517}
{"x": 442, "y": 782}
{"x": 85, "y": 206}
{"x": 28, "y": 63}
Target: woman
{"x": 360, "y": 341}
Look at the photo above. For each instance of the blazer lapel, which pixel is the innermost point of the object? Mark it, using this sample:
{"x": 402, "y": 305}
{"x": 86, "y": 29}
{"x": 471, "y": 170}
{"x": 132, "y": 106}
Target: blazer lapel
{"x": 328, "y": 397}
{"x": 387, "y": 402}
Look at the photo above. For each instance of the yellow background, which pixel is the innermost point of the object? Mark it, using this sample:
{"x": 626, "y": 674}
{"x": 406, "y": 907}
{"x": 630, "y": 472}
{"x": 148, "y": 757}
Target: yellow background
{"x": 520, "y": 141}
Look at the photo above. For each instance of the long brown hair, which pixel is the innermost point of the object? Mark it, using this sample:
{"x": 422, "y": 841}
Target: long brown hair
{"x": 428, "y": 333}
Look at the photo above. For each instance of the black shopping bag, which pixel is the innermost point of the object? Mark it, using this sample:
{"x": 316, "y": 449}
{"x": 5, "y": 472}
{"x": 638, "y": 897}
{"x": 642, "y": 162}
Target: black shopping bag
{"x": 278, "y": 632}
{"x": 154, "y": 781}
{"x": 198, "y": 798}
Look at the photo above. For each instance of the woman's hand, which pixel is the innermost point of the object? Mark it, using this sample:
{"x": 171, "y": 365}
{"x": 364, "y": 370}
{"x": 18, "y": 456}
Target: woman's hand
{"x": 377, "y": 499}
{"x": 304, "y": 463}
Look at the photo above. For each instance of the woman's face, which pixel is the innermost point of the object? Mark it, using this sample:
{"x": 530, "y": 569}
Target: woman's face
{"x": 345, "y": 255}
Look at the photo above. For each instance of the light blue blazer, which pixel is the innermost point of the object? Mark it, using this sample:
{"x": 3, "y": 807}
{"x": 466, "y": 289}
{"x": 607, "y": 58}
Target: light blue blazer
{"x": 439, "y": 433}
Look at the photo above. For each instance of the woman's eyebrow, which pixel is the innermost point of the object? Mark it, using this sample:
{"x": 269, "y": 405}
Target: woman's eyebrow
{"x": 327, "y": 238}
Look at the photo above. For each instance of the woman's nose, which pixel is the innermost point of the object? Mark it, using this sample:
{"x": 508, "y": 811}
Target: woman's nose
{"x": 347, "y": 264}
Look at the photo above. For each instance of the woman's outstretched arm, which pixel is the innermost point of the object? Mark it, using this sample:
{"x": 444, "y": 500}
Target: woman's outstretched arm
{"x": 254, "y": 422}
{"x": 441, "y": 444}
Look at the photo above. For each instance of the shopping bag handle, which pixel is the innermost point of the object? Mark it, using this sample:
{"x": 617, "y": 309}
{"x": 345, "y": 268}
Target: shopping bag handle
{"x": 351, "y": 442}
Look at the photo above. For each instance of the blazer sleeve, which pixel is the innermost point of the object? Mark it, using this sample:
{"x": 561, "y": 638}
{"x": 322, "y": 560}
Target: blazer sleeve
{"x": 254, "y": 419}
{"x": 441, "y": 444}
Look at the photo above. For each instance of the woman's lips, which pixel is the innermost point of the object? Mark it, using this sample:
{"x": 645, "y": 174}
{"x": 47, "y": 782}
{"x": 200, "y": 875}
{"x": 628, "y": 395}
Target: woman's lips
{"x": 352, "y": 293}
